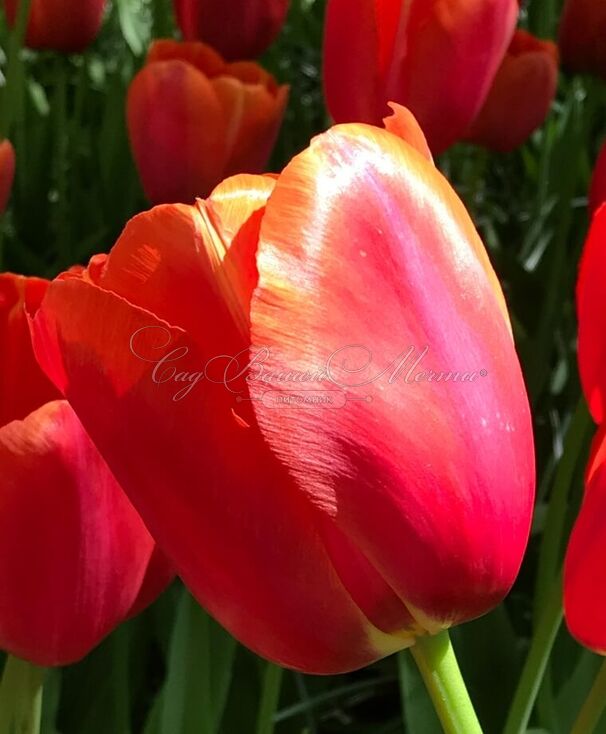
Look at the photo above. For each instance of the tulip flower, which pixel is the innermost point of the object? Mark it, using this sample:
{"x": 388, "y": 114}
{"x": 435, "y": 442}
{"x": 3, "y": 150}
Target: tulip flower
{"x": 436, "y": 57}
{"x": 591, "y": 309}
{"x": 581, "y": 36}
{"x": 307, "y": 385}
{"x": 597, "y": 190}
{"x": 584, "y": 596}
{"x": 193, "y": 120}
{"x": 7, "y": 172}
{"x": 521, "y": 94}
{"x": 59, "y": 25}
{"x": 75, "y": 557}
{"x": 238, "y": 29}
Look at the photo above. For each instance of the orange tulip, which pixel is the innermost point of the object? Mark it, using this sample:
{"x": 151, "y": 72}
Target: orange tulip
{"x": 238, "y": 29}
{"x": 582, "y": 36}
{"x": 75, "y": 558}
{"x": 7, "y": 172}
{"x": 327, "y": 495}
{"x": 60, "y": 25}
{"x": 193, "y": 120}
{"x": 437, "y": 57}
{"x": 521, "y": 94}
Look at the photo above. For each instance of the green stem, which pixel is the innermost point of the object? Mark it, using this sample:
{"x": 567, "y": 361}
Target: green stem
{"x": 14, "y": 82}
{"x": 270, "y": 696}
{"x": 594, "y": 705}
{"x": 536, "y": 662}
{"x": 551, "y": 544}
{"x": 20, "y": 697}
{"x": 438, "y": 666}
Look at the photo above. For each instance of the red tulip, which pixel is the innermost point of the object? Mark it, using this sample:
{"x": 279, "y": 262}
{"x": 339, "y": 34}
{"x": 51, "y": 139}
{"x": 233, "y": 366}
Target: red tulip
{"x": 597, "y": 190}
{"x": 7, "y": 172}
{"x": 74, "y": 554}
{"x": 238, "y": 29}
{"x": 193, "y": 119}
{"x": 438, "y": 57}
{"x": 591, "y": 307}
{"x": 521, "y": 94}
{"x": 583, "y": 36}
{"x": 341, "y": 495}
{"x": 60, "y": 25}
{"x": 584, "y": 596}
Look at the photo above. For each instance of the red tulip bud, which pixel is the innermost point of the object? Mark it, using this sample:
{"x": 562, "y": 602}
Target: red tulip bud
{"x": 521, "y": 94}
{"x": 75, "y": 558}
{"x": 583, "y": 36}
{"x": 193, "y": 119}
{"x": 437, "y": 57}
{"x": 60, "y": 25}
{"x": 238, "y": 29}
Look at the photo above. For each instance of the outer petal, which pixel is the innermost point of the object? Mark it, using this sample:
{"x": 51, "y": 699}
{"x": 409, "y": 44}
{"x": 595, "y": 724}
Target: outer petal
{"x": 591, "y": 310}
{"x": 177, "y": 131}
{"x": 403, "y": 124}
{"x": 73, "y": 552}
{"x": 249, "y": 546}
{"x": 254, "y": 115}
{"x": 60, "y": 25}
{"x": 365, "y": 252}
{"x": 521, "y": 95}
{"x": 23, "y": 385}
{"x": 240, "y": 29}
{"x": 7, "y": 172}
{"x": 584, "y": 594}
{"x": 597, "y": 192}
{"x": 582, "y": 33}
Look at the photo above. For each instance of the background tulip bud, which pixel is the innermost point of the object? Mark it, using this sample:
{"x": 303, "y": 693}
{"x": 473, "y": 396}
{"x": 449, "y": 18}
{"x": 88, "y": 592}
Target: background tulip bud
{"x": 238, "y": 29}
{"x": 521, "y": 94}
{"x": 75, "y": 557}
{"x": 436, "y": 58}
{"x": 582, "y": 36}
{"x": 193, "y": 119}
{"x": 60, "y": 25}
{"x": 7, "y": 172}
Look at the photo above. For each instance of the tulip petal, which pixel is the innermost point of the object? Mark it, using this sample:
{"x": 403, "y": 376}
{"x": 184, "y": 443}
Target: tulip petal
{"x": 365, "y": 252}
{"x": 208, "y": 487}
{"x": 175, "y": 161}
{"x": 23, "y": 386}
{"x": 584, "y": 596}
{"x": 254, "y": 117}
{"x": 591, "y": 309}
{"x": 73, "y": 552}
{"x": 404, "y": 124}
{"x": 202, "y": 57}
{"x": 521, "y": 95}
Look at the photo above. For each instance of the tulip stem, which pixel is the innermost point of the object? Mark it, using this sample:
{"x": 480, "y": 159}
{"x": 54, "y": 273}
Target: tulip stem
{"x": 536, "y": 662}
{"x": 20, "y": 697}
{"x": 593, "y": 708}
{"x": 438, "y": 666}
